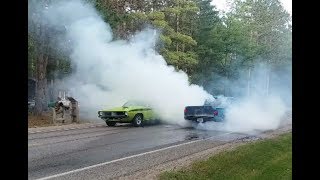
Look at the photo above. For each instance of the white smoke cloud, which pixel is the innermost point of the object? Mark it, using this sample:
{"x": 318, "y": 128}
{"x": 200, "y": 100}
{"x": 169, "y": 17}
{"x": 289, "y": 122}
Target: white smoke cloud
{"x": 250, "y": 115}
{"x": 128, "y": 70}
{"x": 265, "y": 108}
{"x": 255, "y": 113}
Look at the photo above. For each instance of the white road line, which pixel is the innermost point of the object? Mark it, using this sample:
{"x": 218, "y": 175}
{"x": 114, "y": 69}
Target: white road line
{"x": 128, "y": 157}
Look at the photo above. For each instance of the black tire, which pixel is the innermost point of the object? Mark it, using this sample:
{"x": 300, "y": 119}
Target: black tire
{"x": 157, "y": 121}
{"x": 138, "y": 120}
{"x": 189, "y": 124}
{"x": 111, "y": 123}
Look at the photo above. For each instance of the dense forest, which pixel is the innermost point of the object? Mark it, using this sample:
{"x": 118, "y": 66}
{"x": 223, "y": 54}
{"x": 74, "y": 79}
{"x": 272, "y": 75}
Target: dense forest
{"x": 195, "y": 38}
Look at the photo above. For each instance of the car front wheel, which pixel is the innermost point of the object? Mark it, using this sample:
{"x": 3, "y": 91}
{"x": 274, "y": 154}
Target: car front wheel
{"x": 137, "y": 120}
{"x": 111, "y": 123}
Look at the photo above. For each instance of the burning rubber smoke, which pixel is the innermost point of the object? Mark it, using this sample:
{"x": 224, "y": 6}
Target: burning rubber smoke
{"x": 258, "y": 111}
{"x": 108, "y": 73}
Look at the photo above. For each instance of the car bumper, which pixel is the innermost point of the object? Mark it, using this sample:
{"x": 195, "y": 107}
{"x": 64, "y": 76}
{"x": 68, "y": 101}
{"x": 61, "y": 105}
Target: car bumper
{"x": 204, "y": 118}
{"x": 121, "y": 118}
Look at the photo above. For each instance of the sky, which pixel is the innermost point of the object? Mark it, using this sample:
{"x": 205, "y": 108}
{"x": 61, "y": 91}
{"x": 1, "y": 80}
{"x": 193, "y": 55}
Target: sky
{"x": 222, "y": 5}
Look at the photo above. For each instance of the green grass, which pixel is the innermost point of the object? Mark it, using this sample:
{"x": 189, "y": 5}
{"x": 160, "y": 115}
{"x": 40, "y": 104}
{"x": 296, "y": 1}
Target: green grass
{"x": 267, "y": 159}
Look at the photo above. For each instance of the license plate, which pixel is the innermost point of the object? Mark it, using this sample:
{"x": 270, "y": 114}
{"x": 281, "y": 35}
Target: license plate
{"x": 200, "y": 120}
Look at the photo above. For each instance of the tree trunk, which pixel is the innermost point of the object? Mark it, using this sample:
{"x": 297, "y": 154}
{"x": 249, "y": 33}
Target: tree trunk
{"x": 227, "y": 88}
{"x": 177, "y": 30}
{"x": 41, "y": 86}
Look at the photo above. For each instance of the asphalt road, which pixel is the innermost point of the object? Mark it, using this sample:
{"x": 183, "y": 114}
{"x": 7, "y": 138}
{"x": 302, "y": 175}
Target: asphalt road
{"x": 107, "y": 152}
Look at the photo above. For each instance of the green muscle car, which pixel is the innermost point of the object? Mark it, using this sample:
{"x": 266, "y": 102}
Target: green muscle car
{"x": 131, "y": 112}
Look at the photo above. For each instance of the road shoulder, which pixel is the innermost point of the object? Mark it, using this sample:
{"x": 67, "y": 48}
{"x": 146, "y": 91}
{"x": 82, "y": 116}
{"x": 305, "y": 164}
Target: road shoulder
{"x": 185, "y": 162}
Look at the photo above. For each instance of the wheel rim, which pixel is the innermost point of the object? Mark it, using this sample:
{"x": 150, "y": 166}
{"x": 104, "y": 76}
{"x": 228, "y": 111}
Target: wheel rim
{"x": 138, "y": 120}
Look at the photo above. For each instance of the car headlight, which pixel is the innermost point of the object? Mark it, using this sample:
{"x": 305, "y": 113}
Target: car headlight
{"x": 100, "y": 113}
{"x": 126, "y": 113}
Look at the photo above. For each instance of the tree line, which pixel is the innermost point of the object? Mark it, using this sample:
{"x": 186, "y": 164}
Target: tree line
{"x": 194, "y": 38}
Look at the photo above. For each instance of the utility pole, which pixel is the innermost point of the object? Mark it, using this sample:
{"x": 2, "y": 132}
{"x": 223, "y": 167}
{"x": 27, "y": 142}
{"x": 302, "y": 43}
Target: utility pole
{"x": 249, "y": 78}
{"x": 268, "y": 78}
{"x": 268, "y": 82}
{"x": 154, "y": 42}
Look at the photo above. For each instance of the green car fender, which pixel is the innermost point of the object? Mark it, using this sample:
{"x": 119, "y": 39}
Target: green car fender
{"x": 146, "y": 112}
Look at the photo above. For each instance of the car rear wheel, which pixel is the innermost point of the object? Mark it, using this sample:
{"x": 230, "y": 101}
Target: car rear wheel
{"x": 111, "y": 123}
{"x": 137, "y": 120}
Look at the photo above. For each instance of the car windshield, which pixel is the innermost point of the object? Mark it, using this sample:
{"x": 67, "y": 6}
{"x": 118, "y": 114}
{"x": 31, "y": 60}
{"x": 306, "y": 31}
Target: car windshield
{"x": 133, "y": 103}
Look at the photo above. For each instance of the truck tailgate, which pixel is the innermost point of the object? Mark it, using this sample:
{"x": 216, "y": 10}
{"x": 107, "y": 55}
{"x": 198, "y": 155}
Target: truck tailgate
{"x": 198, "y": 111}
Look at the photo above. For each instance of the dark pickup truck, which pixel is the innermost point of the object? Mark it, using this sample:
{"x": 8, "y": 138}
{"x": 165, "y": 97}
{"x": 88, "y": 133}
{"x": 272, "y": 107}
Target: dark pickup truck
{"x": 210, "y": 111}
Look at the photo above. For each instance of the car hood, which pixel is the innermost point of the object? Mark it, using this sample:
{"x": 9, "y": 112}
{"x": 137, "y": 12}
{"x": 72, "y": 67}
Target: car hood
{"x": 121, "y": 109}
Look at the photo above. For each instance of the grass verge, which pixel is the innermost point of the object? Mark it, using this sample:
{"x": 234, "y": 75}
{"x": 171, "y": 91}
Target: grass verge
{"x": 45, "y": 120}
{"x": 266, "y": 159}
